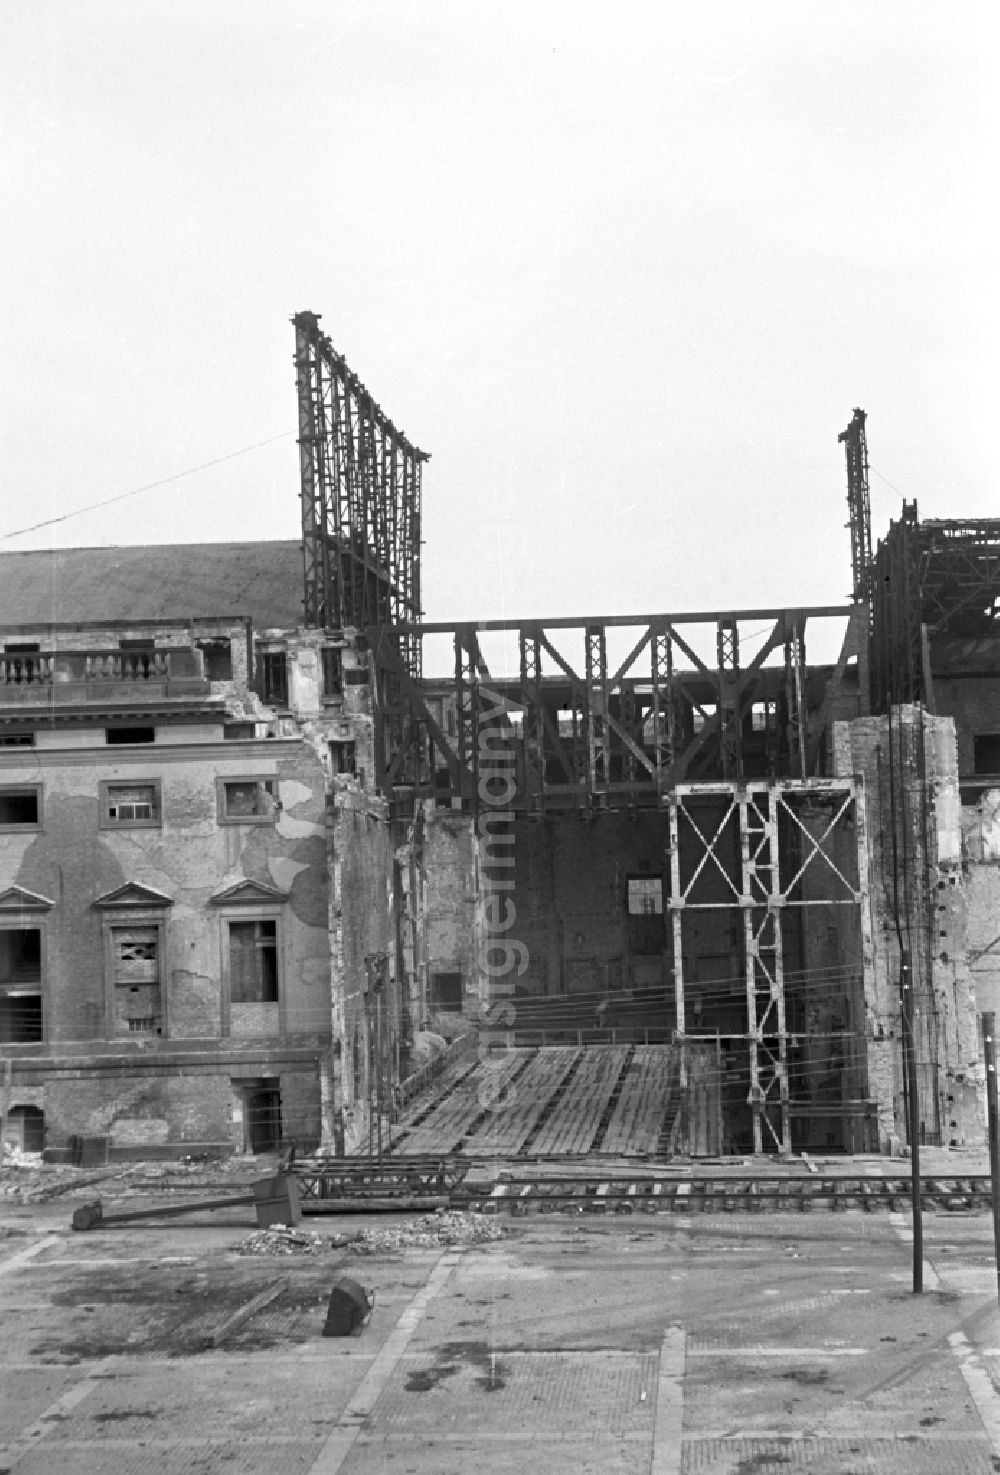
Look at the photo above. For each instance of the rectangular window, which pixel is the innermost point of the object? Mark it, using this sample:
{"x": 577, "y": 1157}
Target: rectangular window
{"x": 17, "y": 740}
{"x": 446, "y": 992}
{"x": 20, "y": 986}
{"x": 248, "y": 801}
{"x": 645, "y": 915}
{"x": 274, "y": 677}
{"x": 130, "y": 734}
{"x": 986, "y": 753}
{"x": 343, "y": 757}
{"x": 135, "y": 805}
{"x": 20, "y": 807}
{"x": 253, "y": 962}
{"x": 645, "y": 896}
{"x": 218, "y": 655}
{"x": 135, "y": 971}
{"x": 333, "y": 671}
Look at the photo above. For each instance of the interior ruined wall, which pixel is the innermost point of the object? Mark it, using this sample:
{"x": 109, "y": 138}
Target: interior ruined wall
{"x": 570, "y": 895}
{"x": 452, "y": 911}
{"x": 933, "y": 892}
{"x": 360, "y": 859}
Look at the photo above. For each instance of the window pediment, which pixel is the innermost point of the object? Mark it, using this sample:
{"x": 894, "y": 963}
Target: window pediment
{"x": 134, "y": 894}
{"x": 249, "y": 893}
{"x": 19, "y": 899}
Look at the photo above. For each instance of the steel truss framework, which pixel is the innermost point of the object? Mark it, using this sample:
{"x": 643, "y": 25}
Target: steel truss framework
{"x": 582, "y": 732}
{"x": 931, "y": 580}
{"x": 770, "y": 863}
{"x": 858, "y": 504}
{"x": 360, "y": 494}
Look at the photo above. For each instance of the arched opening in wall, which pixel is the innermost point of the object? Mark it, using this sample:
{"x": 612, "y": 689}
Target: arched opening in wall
{"x": 25, "y": 1128}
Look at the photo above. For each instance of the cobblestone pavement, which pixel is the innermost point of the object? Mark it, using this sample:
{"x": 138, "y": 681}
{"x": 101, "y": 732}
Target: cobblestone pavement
{"x": 575, "y": 1343}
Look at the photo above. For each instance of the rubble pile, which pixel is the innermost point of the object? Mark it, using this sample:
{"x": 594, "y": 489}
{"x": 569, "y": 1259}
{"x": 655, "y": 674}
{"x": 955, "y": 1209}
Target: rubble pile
{"x": 427, "y": 1233}
{"x": 431, "y": 1232}
{"x": 281, "y": 1241}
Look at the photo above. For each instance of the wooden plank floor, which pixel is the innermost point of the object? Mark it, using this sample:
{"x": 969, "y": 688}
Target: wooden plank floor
{"x": 637, "y": 1119}
{"x": 450, "y": 1121}
{"x": 573, "y": 1103}
{"x": 574, "y": 1123}
{"x": 507, "y": 1130}
{"x": 438, "y": 1089}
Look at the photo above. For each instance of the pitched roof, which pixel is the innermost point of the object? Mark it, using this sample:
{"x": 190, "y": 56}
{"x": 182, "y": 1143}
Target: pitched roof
{"x": 62, "y": 586}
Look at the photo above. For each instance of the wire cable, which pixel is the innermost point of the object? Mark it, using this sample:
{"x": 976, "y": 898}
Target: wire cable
{"x": 148, "y": 487}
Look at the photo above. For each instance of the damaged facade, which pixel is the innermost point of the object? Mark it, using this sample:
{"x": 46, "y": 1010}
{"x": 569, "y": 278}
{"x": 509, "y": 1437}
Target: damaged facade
{"x": 249, "y": 858}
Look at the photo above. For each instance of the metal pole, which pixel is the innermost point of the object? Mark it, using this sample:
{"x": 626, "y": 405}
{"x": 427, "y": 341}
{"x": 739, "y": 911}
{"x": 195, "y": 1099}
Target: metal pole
{"x": 379, "y": 1080}
{"x": 913, "y": 1125}
{"x": 990, "y": 1050}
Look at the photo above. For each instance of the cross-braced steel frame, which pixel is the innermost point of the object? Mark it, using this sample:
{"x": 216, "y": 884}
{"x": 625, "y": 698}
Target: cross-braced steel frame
{"x": 360, "y": 494}
{"x": 588, "y": 732}
{"x": 765, "y": 861}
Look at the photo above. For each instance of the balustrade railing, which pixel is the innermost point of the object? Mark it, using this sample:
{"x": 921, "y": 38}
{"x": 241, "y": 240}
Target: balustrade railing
{"x": 26, "y": 670}
{"x": 38, "y": 669}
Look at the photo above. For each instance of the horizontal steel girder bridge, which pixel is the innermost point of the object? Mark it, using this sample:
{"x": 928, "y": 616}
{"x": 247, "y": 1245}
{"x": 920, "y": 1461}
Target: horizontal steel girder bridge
{"x": 580, "y": 729}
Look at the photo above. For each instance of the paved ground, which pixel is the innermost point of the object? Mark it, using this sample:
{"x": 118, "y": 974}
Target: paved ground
{"x": 583, "y": 1343}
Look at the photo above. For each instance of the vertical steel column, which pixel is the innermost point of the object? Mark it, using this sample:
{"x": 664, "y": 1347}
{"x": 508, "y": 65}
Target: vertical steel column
{"x": 795, "y": 660}
{"x": 533, "y": 743}
{"x": 727, "y": 637}
{"x": 467, "y": 703}
{"x": 761, "y": 903}
{"x": 676, "y": 905}
{"x": 321, "y": 601}
{"x": 598, "y": 756}
{"x": 664, "y": 715}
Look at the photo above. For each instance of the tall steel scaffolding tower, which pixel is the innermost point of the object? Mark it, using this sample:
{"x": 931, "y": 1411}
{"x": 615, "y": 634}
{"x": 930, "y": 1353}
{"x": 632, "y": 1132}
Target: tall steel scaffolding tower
{"x": 858, "y": 504}
{"x": 360, "y": 499}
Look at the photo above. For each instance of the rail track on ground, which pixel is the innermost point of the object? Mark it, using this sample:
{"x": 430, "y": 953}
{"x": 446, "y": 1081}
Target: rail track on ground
{"x": 344, "y": 1185}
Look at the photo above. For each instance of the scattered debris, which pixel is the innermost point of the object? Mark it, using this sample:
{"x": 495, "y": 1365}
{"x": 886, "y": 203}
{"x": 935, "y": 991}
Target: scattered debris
{"x": 429, "y": 1232}
{"x": 281, "y": 1241}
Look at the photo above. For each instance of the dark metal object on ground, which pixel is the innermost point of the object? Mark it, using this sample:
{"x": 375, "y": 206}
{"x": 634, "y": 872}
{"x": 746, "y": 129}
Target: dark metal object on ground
{"x": 372, "y": 1205}
{"x": 397, "y": 1176}
{"x": 276, "y": 1201}
{"x": 350, "y": 1308}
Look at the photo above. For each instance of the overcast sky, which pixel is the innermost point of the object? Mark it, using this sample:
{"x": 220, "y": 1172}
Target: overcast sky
{"x": 623, "y": 269}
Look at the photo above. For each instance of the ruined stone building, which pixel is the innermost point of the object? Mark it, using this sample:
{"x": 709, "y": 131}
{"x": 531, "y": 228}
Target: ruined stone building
{"x": 250, "y": 852}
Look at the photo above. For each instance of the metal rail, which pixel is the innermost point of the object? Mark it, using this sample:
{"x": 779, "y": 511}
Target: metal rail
{"x": 759, "y": 1193}
{"x": 600, "y": 1188}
